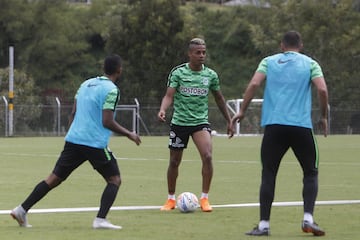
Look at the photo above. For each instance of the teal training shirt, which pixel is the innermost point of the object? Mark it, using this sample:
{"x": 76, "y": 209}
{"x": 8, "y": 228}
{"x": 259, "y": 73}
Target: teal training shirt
{"x": 287, "y": 97}
{"x": 92, "y": 97}
{"x": 191, "y": 100}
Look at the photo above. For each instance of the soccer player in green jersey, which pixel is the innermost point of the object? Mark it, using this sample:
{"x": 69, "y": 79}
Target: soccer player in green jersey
{"x": 188, "y": 89}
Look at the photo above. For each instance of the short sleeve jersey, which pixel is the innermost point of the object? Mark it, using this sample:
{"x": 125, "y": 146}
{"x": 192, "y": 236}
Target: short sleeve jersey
{"x": 93, "y": 96}
{"x": 191, "y": 97}
{"x": 287, "y": 97}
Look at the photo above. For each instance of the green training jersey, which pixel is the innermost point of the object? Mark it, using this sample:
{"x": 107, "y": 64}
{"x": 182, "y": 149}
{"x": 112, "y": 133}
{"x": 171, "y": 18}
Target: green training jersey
{"x": 192, "y": 91}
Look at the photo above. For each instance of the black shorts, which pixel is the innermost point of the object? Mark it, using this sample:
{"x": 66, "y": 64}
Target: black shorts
{"x": 74, "y": 155}
{"x": 279, "y": 138}
{"x": 179, "y": 135}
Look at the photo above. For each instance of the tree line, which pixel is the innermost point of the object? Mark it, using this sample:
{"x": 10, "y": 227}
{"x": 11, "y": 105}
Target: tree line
{"x": 59, "y": 44}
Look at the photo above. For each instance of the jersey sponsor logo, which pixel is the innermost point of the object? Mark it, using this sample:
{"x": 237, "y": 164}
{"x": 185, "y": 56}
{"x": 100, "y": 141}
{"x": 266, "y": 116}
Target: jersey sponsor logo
{"x": 91, "y": 85}
{"x": 194, "y": 91}
{"x": 284, "y": 61}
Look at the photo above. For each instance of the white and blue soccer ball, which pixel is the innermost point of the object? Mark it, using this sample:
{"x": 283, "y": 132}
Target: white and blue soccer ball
{"x": 187, "y": 202}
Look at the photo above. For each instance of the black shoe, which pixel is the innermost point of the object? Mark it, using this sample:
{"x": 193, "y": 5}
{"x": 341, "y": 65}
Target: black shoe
{"x": 257, "y": 232}
{"x": 312, "y": 228}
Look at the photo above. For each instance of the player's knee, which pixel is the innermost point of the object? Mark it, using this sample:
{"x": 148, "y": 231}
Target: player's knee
{"x": 53, "y": 181}
{"x": 174, "y": 164}
{"x": 311, "y": 174}
{"x": 207, "y": 158}
{"x": 116, "y": 180}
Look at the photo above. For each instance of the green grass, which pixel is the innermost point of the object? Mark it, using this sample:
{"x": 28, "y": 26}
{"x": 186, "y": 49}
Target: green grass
{"x": 26, "y": 161}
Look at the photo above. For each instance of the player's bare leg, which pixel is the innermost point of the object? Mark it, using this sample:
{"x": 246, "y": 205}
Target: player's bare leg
{"x": 173, "y": 169}
{"x": 202, "y": 140}
{"x": 172, "y": 174}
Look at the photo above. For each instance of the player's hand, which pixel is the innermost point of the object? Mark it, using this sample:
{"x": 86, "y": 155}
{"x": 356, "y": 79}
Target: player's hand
{"x": 161, "y": 116}
{"x": 237, "y": 118}
{"x": 230, "y": 130}
{"x": 135, "y": 138}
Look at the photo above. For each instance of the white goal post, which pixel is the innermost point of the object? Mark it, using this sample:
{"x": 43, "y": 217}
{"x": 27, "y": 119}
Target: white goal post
{"x": 234, "y": 107}
{"x": 136, "y": 118}
{"x": 254, "y": 113}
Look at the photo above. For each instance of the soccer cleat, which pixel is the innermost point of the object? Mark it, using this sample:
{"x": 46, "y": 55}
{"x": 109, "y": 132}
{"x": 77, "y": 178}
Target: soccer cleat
{"x": 312, "y": 228}
{"x": 205, "y": 205}
{"x": 257, "y": 232}
{"x": 102, "y": 223}
{"x": 169, "y": 205}
{"x": 19, "y": 214}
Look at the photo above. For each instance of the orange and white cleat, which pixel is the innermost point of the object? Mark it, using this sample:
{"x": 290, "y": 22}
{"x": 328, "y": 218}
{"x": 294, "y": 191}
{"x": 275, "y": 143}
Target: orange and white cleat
{"x": 169, "y": 205}
{"x": 205, "y": 205}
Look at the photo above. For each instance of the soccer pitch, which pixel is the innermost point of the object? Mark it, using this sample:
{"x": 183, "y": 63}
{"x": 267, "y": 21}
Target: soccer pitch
{"x": 234, "y": 192}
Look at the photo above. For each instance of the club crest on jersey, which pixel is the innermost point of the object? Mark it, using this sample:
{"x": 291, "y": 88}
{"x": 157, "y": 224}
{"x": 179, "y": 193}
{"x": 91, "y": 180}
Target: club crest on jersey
{"x": 205, "y": 81}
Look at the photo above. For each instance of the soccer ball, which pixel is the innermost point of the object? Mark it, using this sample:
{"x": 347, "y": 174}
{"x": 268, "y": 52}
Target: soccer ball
{"x": 187, "y": 202}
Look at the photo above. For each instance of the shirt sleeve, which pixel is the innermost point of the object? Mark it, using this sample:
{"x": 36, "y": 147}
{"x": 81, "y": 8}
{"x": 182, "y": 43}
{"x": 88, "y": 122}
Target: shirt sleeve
{"x": 111, "y": 99}
{"x": 262, "y": 68}
{"x": 215, "y": 83}
{"x": 316, "y": 70}
{"x": 173, "y": 80}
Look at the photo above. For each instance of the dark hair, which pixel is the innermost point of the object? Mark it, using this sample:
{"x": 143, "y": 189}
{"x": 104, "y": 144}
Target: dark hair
{"x": 112, "y": 64}
{"x": 292, "y": 39}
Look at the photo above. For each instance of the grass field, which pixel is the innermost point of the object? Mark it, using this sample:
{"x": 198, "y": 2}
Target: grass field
{"x": 26, "y": 161}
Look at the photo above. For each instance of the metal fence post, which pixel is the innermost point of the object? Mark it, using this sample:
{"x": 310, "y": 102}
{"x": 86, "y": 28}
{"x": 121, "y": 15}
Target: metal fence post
{"x": 6, "y": 116}
{"x": 58, "y": 115}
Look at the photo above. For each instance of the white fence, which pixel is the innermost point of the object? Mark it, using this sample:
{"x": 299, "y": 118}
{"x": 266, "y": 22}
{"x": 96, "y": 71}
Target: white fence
{"x": 51, "y": 119}
{"x": 56, "y": 116}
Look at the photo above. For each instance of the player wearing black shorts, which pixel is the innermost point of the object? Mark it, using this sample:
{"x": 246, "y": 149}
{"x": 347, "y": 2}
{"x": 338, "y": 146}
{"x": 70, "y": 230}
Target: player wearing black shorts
{"x": 73, "y": 155}
{"x": 92, "y": 123}
{"x": 179, "y": 135}
{"x": 286, "y": 116}
{"x": 189, "y": 85}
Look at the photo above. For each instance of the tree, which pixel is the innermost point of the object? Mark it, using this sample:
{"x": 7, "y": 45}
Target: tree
{"x": 58, "y": 55}
{"x": 14, "y": 29}
{"x": 231, "y": 51}
{"x": 330, "y": 37}
{"x": 149, "y": 35}
{"x": 25, "y": 114}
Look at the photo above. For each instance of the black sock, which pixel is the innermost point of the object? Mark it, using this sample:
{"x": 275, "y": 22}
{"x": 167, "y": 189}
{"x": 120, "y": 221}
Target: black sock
{"x": 38, "y": 193}
{"x": 107, "y": 199}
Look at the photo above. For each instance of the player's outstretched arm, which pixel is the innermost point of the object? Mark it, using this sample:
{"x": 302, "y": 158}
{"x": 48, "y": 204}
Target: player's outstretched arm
{"x": 249, "y": 94}
{"x": 110, "y": 123}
